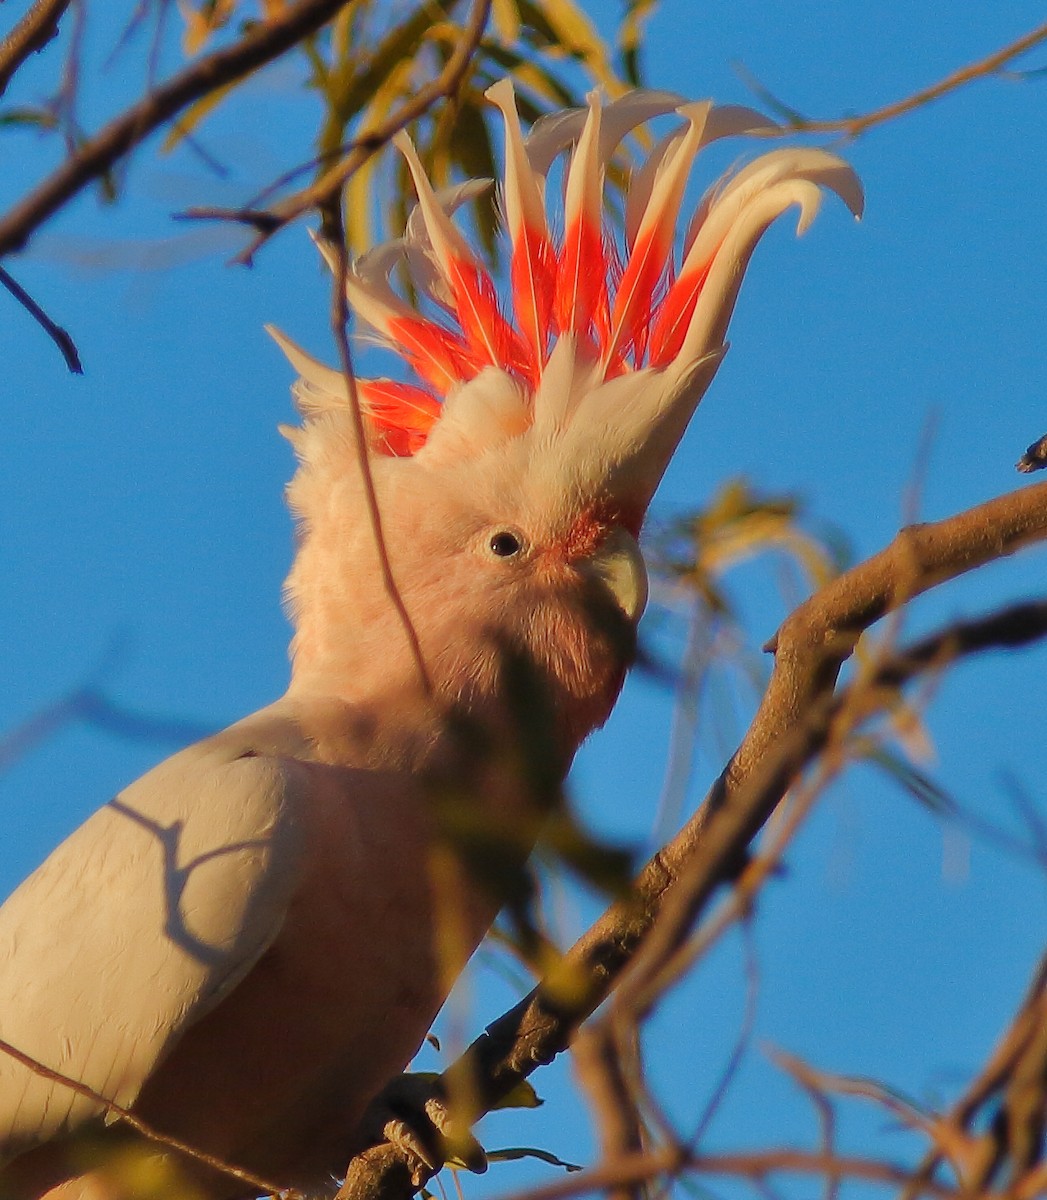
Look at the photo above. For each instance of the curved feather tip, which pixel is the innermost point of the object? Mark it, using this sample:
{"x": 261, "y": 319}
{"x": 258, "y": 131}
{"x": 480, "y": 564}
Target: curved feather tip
{"x": 628, "y": 304}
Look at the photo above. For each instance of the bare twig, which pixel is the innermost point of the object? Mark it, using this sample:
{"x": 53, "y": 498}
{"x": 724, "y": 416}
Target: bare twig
{"x": 948, "y": 1137}
{"x": 1015, "y": 1044}
{"x": 32, "y": 33}
{"x": 754, "y": 1166}
{"x": 256, "y": 1182}
{"x": 741, "y": 1043}
{"x": 265, "y": 41}
{"x": 58, "y": 335}
{"x": 601, "y": 1071}
{"x": 90, "y": 704}
{"x": 824, "y": 1111}
{"x": 795, "y": 122}
{"x": 339, "y": 319}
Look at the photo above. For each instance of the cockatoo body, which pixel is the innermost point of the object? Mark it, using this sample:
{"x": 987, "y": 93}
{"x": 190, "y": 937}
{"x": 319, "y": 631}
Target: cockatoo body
{"x": 247, "y": 943}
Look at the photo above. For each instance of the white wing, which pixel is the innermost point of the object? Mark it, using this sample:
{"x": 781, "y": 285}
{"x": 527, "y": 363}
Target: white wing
{"x": 138, "y": 924}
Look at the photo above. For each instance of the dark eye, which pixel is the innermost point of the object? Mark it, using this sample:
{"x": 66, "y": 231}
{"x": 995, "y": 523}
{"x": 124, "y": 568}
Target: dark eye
{"x": 505, "y": 543}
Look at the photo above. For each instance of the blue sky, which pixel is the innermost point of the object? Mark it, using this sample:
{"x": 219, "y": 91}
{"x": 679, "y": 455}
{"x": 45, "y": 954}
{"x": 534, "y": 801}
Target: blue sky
{"x": 144, "y": 539}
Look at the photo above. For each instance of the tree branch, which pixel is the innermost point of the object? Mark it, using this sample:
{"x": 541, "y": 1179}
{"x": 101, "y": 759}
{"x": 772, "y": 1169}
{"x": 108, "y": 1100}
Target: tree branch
{"x": 264, "y": 42}
{"x": 32, "y": 33}
{"x": 755, "y": 1166}
{"x": 995, "y": 1079}
{"x": 810, "y": 648}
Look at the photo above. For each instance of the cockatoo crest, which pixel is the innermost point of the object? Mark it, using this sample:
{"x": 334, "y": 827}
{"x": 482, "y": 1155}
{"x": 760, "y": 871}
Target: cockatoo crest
{"x": 582, "y": 311}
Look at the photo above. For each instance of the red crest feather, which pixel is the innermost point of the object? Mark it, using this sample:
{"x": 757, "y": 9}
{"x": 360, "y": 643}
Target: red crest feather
{"x": 627, "y": 310}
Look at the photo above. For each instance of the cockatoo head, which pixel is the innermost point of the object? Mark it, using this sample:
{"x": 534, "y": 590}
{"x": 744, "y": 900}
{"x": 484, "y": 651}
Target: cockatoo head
{"x": 514, "y": 469}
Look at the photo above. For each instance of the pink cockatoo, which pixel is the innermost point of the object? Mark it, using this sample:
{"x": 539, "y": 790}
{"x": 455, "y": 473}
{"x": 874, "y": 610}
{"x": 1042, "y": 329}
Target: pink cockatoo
{"x": 249, "y": 942}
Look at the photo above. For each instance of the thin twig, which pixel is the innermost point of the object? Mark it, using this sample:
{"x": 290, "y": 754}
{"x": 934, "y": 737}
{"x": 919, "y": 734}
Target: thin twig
{"x": 111, "y": 1108}
{"x": 741, "y": 1042}
{"x": 61, "y": 337}
{"x": 795, "y": 122}
{"x": 948, "y": 1137}
{"x": 1030, "y": 1018}
{"x": 265, "y": 41}
{"x": 754, "y": 1166}
{"x": 339, "y": 319}
{"x": 823, "y": 1108}
{"x": 330, "y": 185}
{"x": 600, "y": 1066}
{"x": 32, "y": 33}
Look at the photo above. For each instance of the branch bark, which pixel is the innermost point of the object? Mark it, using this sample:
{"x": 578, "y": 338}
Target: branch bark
{"x": 32, "y": 33}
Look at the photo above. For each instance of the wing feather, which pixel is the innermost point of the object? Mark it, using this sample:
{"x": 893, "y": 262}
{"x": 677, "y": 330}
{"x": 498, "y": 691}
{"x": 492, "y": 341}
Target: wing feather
{"x": 138, "y": 925}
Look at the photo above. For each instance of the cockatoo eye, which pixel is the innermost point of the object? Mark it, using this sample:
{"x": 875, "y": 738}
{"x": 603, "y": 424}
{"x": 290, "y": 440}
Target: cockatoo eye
{"x": 505, "y": 543}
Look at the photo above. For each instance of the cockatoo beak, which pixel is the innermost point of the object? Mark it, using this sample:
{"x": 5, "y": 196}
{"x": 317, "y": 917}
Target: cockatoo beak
{"x": 619, "y": 566}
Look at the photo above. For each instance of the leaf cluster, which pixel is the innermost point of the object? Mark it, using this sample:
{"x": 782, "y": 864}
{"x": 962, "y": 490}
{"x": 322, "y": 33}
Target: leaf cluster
{"x": 373, "y": 57}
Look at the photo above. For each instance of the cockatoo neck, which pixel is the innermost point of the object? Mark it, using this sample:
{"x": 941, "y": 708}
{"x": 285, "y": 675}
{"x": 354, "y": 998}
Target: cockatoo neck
{"x": 381, "y": 704}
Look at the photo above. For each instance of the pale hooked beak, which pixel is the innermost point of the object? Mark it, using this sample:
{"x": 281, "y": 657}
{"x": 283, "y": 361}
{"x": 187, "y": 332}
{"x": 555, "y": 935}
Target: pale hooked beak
{"x": 618, "y": 565}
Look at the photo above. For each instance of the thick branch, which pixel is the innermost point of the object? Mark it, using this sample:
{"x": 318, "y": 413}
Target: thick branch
{"x": 32, "y": 33}
{"x": 266, "y": 41}
{"x": 791, "y": 725}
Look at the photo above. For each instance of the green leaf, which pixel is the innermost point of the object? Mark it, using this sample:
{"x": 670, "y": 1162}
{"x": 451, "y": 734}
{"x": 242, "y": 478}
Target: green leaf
{"x": 37, "y": 118}
{"x": 630, "y": 37}
{"x": 195, "y": 113}
{"x": 522, "y": 1095}
{"x": 917, "y": 783}
{"x": 515, "y": 1153}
